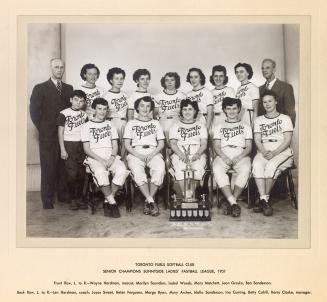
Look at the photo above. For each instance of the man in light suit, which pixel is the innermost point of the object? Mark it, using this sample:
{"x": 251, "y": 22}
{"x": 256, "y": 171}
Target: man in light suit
{"x": 284, "y": 91}
{"x": 47, "y": 100}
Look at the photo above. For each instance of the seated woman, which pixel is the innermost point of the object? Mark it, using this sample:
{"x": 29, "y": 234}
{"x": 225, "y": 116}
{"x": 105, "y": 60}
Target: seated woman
{"x": 232, "y": 143}
{"x": 272, "y": 135}
{"x": 188, "y": 133}
{"x": 144, "y": 139}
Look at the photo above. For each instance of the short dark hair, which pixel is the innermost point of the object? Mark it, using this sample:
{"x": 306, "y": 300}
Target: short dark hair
{"x": 79, "y": 93}
{"x": 113, "y": 71}
{"x": 185, "y": 103}
{"x": 171, "y": 75}
{"x": 271, "y": 93}
{"x": 199, "y": 71}
{"x": 247, "y": 67}
{"x": 230, "y": 102}
{"x": 144, "y": 99}
{"x": 139, "y": 72}
{"x": 223, "y": 70}
{"x": 86, "y": 67}
{"x": 99, "y": 101}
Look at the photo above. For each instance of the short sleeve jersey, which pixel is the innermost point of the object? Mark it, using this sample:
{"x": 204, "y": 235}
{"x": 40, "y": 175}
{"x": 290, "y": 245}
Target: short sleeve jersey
{"x": 99, "y": 134}
{"x": 72, "y": 121}
{"x": 247, "y": 93}
{"x": 273, "y": 128}
{"x": 232, "y": 133}
{"x": 204, "y": 98}
{"x": 144, "y": 132}
{"x": 135, "y": 96}
{"x": 188, "y": 134}
{"x": 168, "y": 104}
{"x": 219, "y": 95}
{"x": 117, "y": 102}
{"x": 91, "y": 94}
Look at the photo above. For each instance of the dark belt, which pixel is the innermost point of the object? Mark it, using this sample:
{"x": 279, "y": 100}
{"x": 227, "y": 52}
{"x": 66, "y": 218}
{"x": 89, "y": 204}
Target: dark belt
{"x": 269, "y": 140}
{"x": 218, "y": 113}
{"x": 121, "y": 118}
{"x": 249, "y": 109}
{"x": 168, "y": 117}
{"x": 144, "y": 146}
{"x": 204, "y": 114}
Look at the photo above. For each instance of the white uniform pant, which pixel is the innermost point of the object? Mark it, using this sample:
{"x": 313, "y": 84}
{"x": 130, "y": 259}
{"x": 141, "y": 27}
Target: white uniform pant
{"x": 242, "y": 168}
{"x": 166, "y": 124}
{"x": 101, "y": 174}
{"x": 137, "y": 167}
{"x": 119, "y": 124}
{"x": 263, "y": 168}
{"x": 198, "y": 165}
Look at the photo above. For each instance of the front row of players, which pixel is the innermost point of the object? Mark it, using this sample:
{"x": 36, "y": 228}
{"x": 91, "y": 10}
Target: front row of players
{"x": 95, "y": 144}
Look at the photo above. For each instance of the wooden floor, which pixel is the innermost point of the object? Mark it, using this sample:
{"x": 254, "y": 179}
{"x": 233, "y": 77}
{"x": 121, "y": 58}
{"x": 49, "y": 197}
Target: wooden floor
{"x": 64, "y": 223}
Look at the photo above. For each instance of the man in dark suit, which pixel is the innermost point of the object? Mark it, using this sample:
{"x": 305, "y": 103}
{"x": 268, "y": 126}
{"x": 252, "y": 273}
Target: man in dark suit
{"x": 47, "y": 100}
{"x": 284, "y": 91}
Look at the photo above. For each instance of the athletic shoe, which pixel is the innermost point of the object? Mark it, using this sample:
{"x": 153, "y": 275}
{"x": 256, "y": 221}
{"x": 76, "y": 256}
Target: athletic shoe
{"x": 114, "y": 211}
{"x": 226, "y": 207}
{"x": 106, "y": 209}
{"x": 73, "y": 205}
{"x": 154, "y": 210}
{"x": 236, "y": 210}
{"x": 146, "y": 208}
{"x": 267, "y": 209}
{"x": 258, "y": 207}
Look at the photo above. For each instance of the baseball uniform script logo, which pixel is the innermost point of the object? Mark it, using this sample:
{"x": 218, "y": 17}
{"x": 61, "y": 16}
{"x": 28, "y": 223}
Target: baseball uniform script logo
{"x": 242, "y": 92}
{"x": 189, "y": 132}
{"x": 229, "y": 133}
{"x": 272, "y": 128}
{"x": 119, "y": 103}
{"x": 101, "y": 133}
{"x": 217, "y": 98}
{"x": 74, "y": 121}
{"x": 91, "y": 96}
{"x": 145, "y": 130}
{"x": 196, "y": 97}
{"x": 167, "y": 105}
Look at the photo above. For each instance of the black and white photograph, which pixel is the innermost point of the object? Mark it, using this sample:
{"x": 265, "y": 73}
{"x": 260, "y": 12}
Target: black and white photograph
{"x": 162, "y": 130}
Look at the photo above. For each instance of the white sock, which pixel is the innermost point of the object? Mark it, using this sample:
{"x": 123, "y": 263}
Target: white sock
{"x": 150, "y": 199}
{"x": 111, "y": 199}
{"x": 267, "y": 197}
{"x": 231, "y": 199}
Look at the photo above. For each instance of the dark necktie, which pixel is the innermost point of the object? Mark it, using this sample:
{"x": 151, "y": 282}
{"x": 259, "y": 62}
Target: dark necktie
{"x": 59, "y": 86}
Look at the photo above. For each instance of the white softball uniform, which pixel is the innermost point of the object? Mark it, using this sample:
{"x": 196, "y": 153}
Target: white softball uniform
{"x": 100, "y": 135}
{"x": 168, "y": 106}
{"x": 233, "y": 136}
{"x": 247, "y": 93}
{"x": 144, "y": 136}
{"x": 91, "y": 94}
{"x": 117, "y": 112}
{"x": 135, "y": 96}
{"x": 188, "y": 135}
{"x": 271, "y": 130}
{"x": 204, "y": 98}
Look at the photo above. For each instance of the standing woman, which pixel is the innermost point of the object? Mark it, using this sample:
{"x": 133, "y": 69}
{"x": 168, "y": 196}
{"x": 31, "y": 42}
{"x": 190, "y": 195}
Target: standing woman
{"x": 117, "y": 100}
{"x": 90, "y": 74}
{"x": 201, "y": 95}
{"x": 219, "y": 79}
{"x": 142, "y": 79}
{"x": 167, "y": 102}
{"x": 248, "y": 93}
{"x": 144, "y": 140}
{"x": 188, "y": 133}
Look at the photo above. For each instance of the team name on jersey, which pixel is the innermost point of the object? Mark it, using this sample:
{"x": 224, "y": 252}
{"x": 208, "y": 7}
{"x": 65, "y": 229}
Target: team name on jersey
{"x": 242, "y": 92}
{"x": 229, "y": 133}
{"x": 119, "y": 103}
{"x": 100, "y": 133}
{"x": 167, "y": 105}
{"x": 196, "y": 97}
{"x": 92, "y": 96}
{"x": 217, "y": 98}
{"x": 75, "y": 121}
{"x": 143, "y": 131}
{"x": 189, "y": 132}
{"x": 272, "y": 128}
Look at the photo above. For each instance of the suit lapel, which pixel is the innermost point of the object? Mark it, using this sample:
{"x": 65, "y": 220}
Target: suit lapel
{"x": 277, "y": 86}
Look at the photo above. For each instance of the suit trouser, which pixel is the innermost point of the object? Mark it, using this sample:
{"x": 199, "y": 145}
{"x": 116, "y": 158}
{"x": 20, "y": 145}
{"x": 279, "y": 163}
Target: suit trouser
{"x": 53, "y": 174}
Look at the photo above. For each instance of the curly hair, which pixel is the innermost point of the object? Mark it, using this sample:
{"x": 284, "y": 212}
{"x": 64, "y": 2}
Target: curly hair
{"x": 247, "y": 67}
{"x": 139, "y": 72}
{"x": 185, "y": 103}
{"x": 171, "y": 75}
{"x": 79, "y": 93}
{"x": 99, "y": 101}
{"x": 146, "y": 99}
{"x": 86, "y": 67}
{"x": 221, "y": 69}
{"x": 230, "y": 102}
{"x": 113, "y": 71}
{"x": 201, "y": 74}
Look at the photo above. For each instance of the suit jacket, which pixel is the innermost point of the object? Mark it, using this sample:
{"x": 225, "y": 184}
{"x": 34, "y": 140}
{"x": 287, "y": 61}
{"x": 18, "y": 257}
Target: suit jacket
{"x": 286, "y": 100}
{"x": 45, "y": 105}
